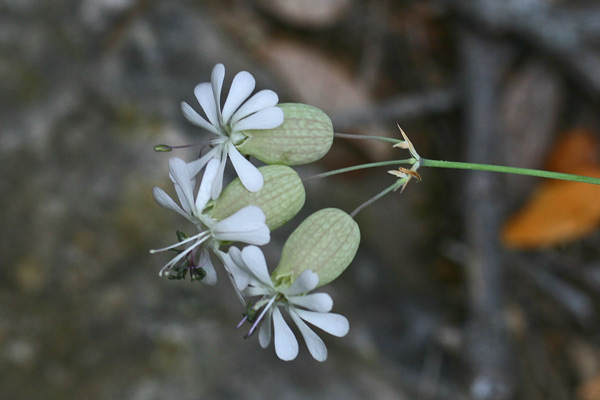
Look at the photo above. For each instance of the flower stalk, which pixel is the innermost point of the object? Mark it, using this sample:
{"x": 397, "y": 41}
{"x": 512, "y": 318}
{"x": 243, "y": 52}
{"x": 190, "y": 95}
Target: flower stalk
{"x": 509, "y": 170}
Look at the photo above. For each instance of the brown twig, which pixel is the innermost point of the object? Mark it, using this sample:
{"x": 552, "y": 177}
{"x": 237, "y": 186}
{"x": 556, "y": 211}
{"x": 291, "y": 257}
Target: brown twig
{"x": 400, "y": 108}
{"x": 487, "y": 350}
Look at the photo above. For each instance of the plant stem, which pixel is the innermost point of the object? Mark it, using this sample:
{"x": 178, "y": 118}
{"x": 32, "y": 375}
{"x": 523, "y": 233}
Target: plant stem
{"x": 509, "y": 170}
{"x": 361, "y": 166}
{"x": 367, "y": 137}
{"x": 373, "y": 199}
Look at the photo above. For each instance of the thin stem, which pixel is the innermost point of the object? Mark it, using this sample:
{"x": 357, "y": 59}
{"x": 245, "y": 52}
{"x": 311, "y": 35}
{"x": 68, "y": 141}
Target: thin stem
{"x": 373, "y": 199}
{"x": 366, "y": 137}
{"x": 361, "y": 166}
{"x": 509, "y": 170}
{"x": 165, "y": 148}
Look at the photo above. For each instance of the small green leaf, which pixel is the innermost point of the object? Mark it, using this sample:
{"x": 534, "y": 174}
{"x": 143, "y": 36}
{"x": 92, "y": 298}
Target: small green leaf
{"x": 280, "y": 198}
{"x": 324, "y": 243}
{"x": 305, "y": 136}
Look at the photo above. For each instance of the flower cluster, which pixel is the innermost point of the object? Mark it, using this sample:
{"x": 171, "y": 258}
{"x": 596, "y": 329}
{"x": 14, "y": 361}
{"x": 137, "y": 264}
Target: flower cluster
{"x": 247, "y": 209}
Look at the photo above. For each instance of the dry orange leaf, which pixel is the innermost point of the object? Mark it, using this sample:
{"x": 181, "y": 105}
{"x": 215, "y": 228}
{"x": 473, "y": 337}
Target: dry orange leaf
{"x": 589, "y": 390}
{"x": 575, "y": 149}
{"x": 558, "y": 212}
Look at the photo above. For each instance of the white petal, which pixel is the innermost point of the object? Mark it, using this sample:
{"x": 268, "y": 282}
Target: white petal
{"x": 217, "y": 77}
{"x": 181, "y": 196}
{"x": 206, "y": 98}
{"x": 264, "y": 332}
{"x": 315, "y": 344}
{"x": 165, "y": 201}
{"x": 241, "y": 87}
{"x": 218, "y": 183}
{"x": 196, "y": 119}
{"x": 305, "y": 282}
{"x": 196, "y": 166}
{"x": 319, "y": 302}
{"x": 206, "y": 264}
{"x": 246, "y": 225}
{"x": 239, "y": 278}
{"x": 258, "y": 290}
{"x": 334, "y": 324}
{"x": 260, "y": 101}
{"x": 286, "y": 345}
{"x": 268, "y": 118}
{"x": 179, "y": 172}
{"x": 250, "y": 176}
{"x": 206, "y": 185}
{"x": 256, "y": 263}
{"x": 236, "y": 256}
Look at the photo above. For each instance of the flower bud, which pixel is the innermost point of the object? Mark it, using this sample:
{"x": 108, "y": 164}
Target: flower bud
{"x": 305, "y": 136}
{"x": 280, "y": 198}
{"x": 324, "y": 243}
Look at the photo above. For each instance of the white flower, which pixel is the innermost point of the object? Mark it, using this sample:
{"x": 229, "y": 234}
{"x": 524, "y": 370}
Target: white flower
{"x": 237, "y": 115}
{"x": 250, "y": 273}
{"x": 246, "y": 225}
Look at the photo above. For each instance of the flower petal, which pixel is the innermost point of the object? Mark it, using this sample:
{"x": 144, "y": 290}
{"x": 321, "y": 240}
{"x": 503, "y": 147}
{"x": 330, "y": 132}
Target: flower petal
{"x": 196, "y": 119}
{"x": 206, "y": 264}
{"x": 249, "y": 175}
{"x": 246, "y": 225}
{"x": 218, "y": 183}
{"x": 206, "y": 98}
{"x": 315, "y": 344}
{"x": 334, "y": 324}
{"x": 236, "y": 255}
{"x": 205, "y": 190}
{"x": 165, "y": 201}
{"x": 319, "y": 302}
{"x": 268, "y": 118}
{"x": 260, "y": 101}
{"x": 258, "y": 290}
{"x": 216, "y": 79}
{"x": 196, "y": 166}
{"x": 179, "y": 172}
{"x": 286, "y": 345}
{"x": 241, "y": 87}
{"x": 255, "y": 261}
{"x": 240, "y": 278}
{"x": 264, "y": 332}
{"x": 305, "y": 282}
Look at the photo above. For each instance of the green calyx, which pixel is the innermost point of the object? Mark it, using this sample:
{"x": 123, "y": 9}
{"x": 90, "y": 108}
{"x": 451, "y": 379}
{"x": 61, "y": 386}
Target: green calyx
{"x": 324, "y": 243}
{"x": 280, "y": 198}
{"x": 305, "y": 136}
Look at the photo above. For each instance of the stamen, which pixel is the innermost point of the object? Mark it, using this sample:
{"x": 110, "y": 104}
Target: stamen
{"x": 241, "y": 322}
{"x": 206, "y": 234}
{"x": 184, "y": 253}
{"x": 260, "y": 317}
{"x": 165, "y": 148}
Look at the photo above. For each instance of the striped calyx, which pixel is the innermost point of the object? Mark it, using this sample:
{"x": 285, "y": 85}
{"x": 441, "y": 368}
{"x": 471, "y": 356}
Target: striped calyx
{"x": 305, "y": 136}
{"x": 324, "y": 243}
{"x": 280, "y": 198}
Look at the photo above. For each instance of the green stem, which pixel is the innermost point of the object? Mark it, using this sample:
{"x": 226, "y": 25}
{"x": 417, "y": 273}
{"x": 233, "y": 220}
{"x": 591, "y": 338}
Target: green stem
{"x": 509, "y": 170}
{"x": 373, "y": 199}
{"x": 367, "y": 137}
{"x": 361, "y": 166}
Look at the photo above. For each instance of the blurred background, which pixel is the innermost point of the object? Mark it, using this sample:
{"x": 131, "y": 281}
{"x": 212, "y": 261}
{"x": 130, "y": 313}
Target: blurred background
{"x": 466, "y": 285}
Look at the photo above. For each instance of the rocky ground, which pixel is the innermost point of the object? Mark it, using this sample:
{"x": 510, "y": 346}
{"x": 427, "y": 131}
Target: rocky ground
{"x": 87, "y": 88}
